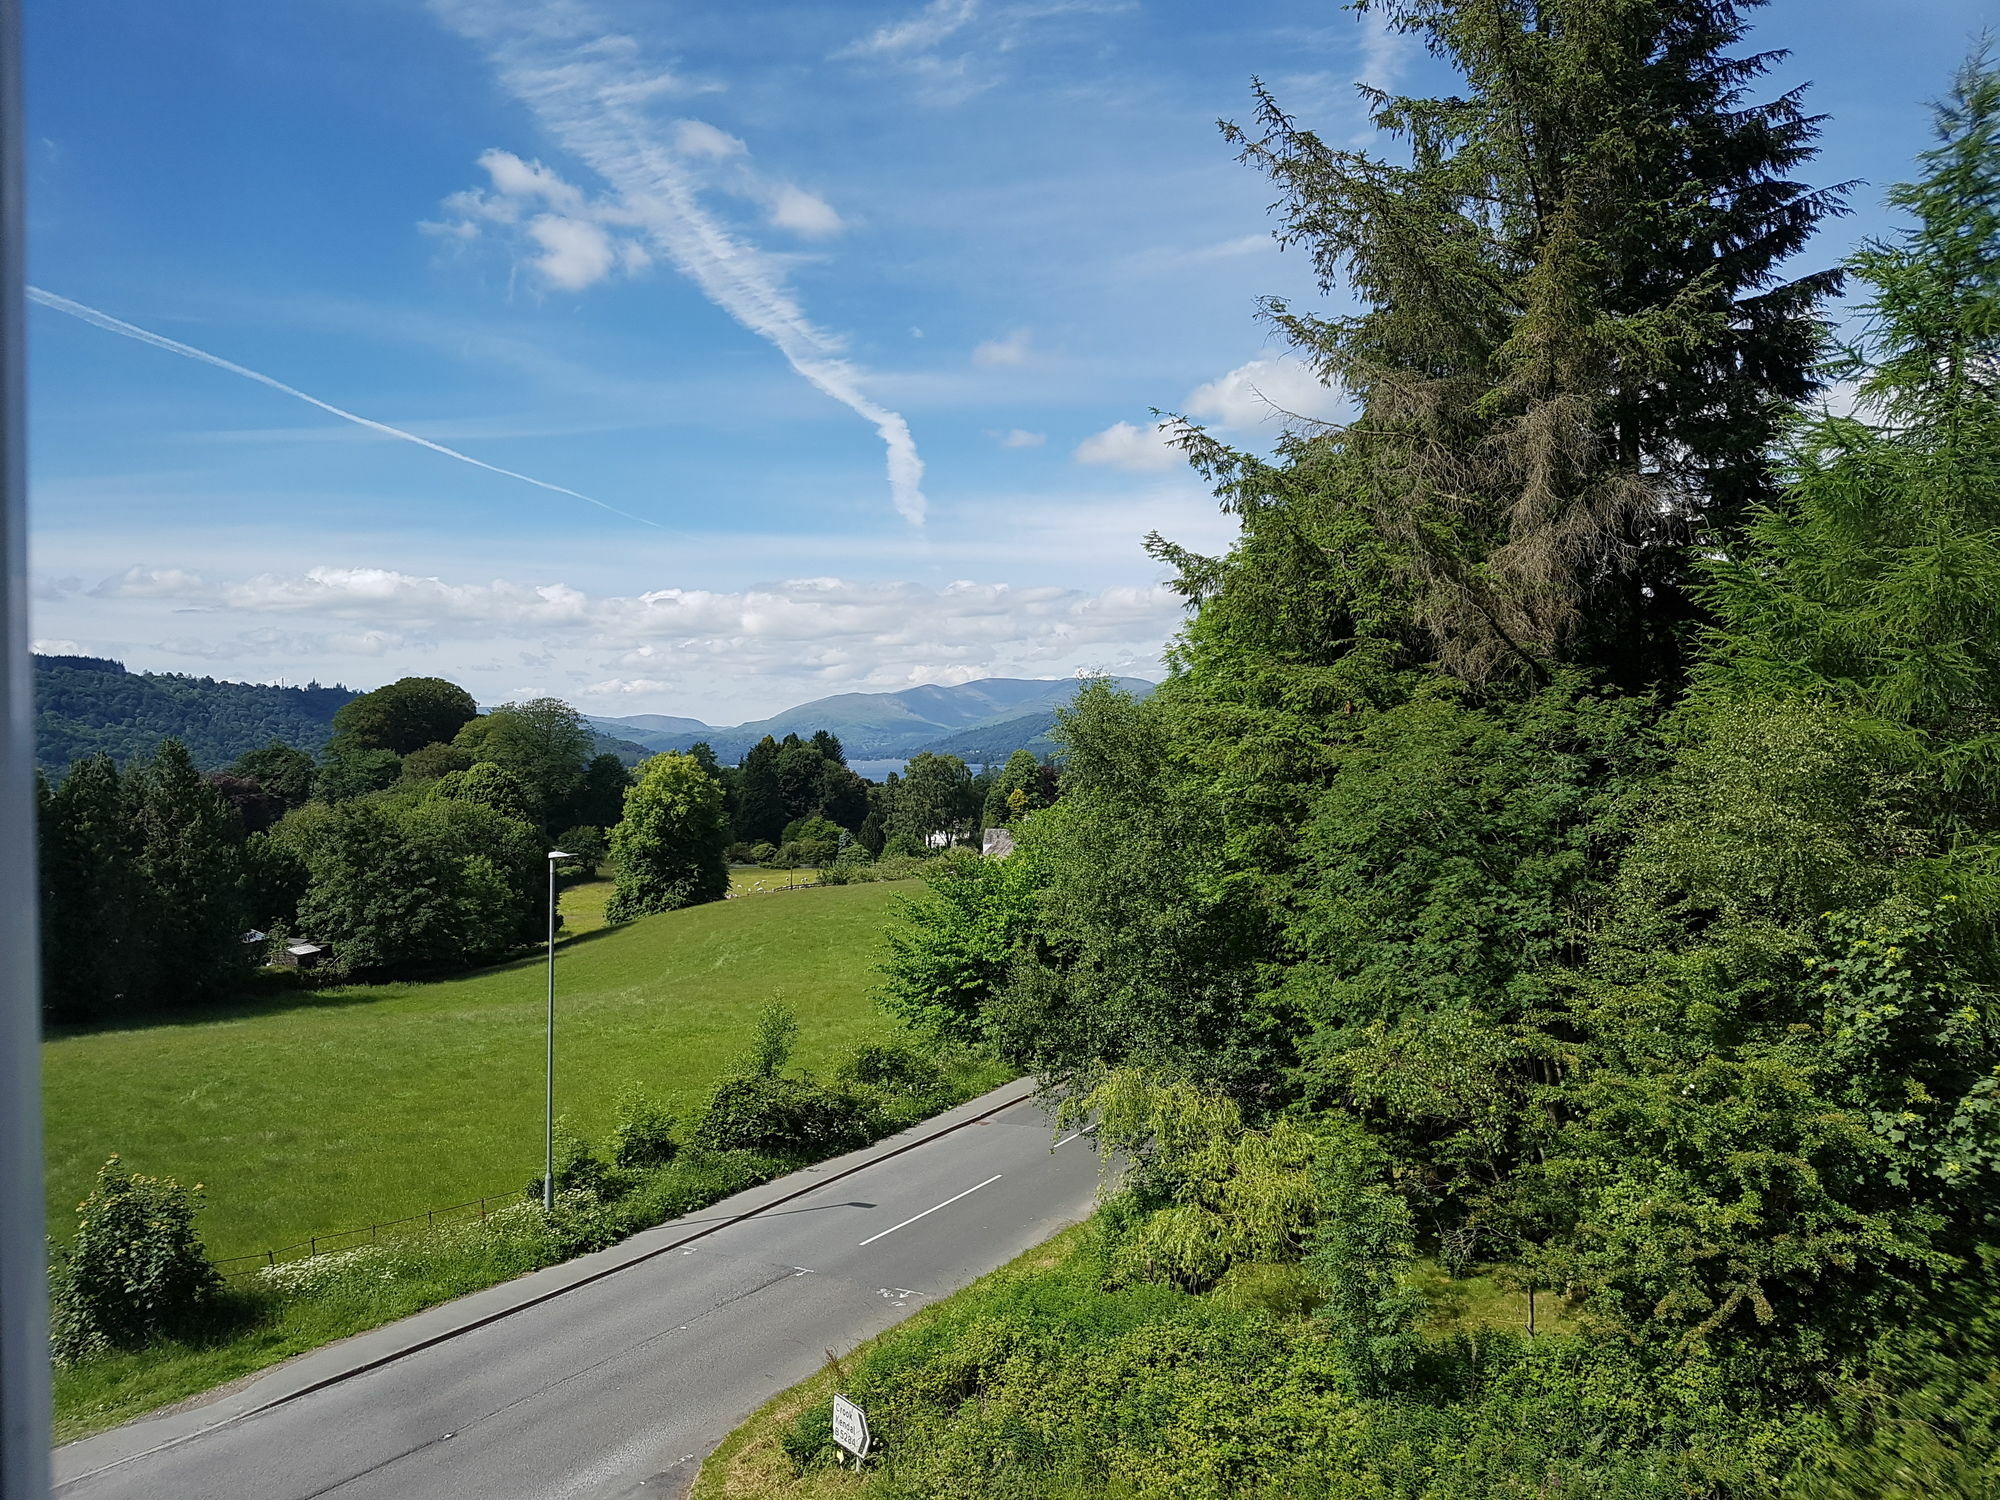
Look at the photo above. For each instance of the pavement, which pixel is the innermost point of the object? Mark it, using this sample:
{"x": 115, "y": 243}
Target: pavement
{"x": 615, "y": 1374}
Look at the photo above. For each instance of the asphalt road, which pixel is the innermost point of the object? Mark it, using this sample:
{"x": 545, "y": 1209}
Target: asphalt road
{"x": 622, "y": 1385}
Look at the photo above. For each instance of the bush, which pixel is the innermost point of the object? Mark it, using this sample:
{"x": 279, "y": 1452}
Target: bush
{"x": 893, "y": 1068}
{"x": 578, "y": 1169}
{"x": 789, "y": 1117}
{"x": 642, "y": 1134}
{"x": 135, "y": 1268}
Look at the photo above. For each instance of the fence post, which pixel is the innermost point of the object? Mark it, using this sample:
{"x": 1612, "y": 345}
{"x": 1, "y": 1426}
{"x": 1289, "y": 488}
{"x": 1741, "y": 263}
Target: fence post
{"x": 271, "y": 1257}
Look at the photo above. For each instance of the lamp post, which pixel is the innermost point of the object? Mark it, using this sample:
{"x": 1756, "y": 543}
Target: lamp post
{"x": 549, "y": 1092}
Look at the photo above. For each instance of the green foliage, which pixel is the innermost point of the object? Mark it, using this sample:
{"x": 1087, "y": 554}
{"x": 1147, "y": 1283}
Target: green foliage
{"x": 953, "y": 945}
{"x": 588, "y": 843}
{"x": 668, "y": 848}
{"x": 279, "y": 769}
{"x": 488, "y": 785}
{"x": 433, "y": 762}
{"x": 86, "y": 705}
{"x": 439, "y": 881}
{"x": 134, "y": 1268}
{"x": 579, "y": 1172}
{"x": 542, "y": 742}
{"x": 773, "y": 1115}
{"x": 1016, "y": 792}
{"x": 407, "y": 715}
{"x": 348, "y": 770}
{"x": 935, "y": 796}
{"x": 642, "y": 1131}
{"x": 776, "y": 1036}
{"x": 893, "y": 1068}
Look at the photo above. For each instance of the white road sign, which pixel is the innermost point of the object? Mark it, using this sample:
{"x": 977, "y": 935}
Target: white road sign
{"x": 850, "y": 1427}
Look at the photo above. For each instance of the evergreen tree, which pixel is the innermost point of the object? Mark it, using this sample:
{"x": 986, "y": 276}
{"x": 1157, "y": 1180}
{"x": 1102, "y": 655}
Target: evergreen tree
{"x": 93, "y": 928}
{"x": 669, "y": 847}
{"x": 761, "y": 815}
{"x": 1575, "y": 346}
{"x": 190, "y": 864}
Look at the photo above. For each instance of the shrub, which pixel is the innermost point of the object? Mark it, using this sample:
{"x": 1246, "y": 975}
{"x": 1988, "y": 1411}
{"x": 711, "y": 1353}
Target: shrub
{"x": 777, "y": 1031}
{"x": 893, "y": 1068}
{"x": 578, "y": 1169}
{"x": 135, "y": 1268}
{"x": 642, "y": 1134}
{"x": 778, "y": 1116}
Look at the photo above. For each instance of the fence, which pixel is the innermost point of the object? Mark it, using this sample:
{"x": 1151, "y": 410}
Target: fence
{"x": 348, "y": 1239}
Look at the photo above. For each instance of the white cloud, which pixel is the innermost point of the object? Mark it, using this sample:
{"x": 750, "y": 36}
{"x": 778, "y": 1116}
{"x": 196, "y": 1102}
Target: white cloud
{"x": 699, "y": 138}
{"x": 575, "y": 252}
{"x": 55, "y": 646}
{"x": 1012, "y": 350}
{"x": 936, "y": 22}
{"x": 1266, "y": 390}
{"x": 579, "y": 80}
{"x": 1016, "y": 437}
{"x": 825, "y": 629}
{"x": 1124, "y": 446}
{"x": 801, "y": 212}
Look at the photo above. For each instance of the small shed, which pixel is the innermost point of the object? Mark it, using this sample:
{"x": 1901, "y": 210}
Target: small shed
{"x": 300, "y": 954}
{"x": 999, "y": 843}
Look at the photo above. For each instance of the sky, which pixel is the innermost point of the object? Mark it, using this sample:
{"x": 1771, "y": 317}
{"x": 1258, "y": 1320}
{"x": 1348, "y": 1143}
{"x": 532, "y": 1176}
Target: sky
{"x": 688, "y": 357}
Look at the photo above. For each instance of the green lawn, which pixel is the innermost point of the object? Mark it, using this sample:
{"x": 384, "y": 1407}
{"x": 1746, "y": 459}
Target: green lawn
{"x": 319, "y": 1112}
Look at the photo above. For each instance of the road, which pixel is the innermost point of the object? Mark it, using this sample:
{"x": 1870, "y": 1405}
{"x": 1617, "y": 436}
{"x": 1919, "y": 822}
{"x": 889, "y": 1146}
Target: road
{"x": 620, "y": 1385}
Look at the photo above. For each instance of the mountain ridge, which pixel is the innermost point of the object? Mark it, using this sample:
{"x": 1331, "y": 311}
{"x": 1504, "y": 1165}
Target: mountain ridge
{"x": 882, "y": 726}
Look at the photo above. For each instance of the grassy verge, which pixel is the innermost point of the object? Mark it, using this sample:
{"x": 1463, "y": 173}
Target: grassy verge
{"x": 302, "y": 1304}
{"x": 1042, "y": 1380}
{"x": 321, "y": 1111}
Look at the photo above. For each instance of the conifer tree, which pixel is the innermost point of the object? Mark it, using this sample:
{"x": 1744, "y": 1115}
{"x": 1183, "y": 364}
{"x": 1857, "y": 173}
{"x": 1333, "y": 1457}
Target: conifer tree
{"x": 190, "y": 866}
{"x": 1575, "y": 343}
{"x": 93, "y": 933}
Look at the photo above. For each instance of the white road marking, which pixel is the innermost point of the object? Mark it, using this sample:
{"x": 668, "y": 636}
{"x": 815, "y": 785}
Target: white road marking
{"x": 1073, "y": 1135}
{"x": 933, "y": 1209}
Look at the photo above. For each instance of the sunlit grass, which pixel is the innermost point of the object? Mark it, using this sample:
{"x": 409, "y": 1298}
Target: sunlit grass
{"x": 325, "y": 1111}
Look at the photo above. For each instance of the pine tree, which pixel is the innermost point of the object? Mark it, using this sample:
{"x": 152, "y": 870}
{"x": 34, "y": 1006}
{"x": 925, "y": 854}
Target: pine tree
{"x": 190, "y": 865}
{"x": 93, "y": 930}
{"x": 761, "y": 815}
{"x": 1575, "y": 345}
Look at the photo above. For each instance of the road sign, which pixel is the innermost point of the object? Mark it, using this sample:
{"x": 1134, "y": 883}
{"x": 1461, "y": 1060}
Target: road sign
{"x": 850, "y": 1427}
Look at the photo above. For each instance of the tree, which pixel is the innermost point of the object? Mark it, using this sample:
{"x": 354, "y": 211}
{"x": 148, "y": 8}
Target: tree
{"x": 93, "y": 934}
{"x": 348, "y": 769}
{"x": 491, "y": 786}
{"x": 827, "y": 743}
{"x": 406, "y": 715}
{"x": 935, "y": 796}
{"x": 760, "y": 810}
{"x": 434, "y": 761}
{"x": 280, "y": 770}
{"x": 543, "y": 741}
{"x": 600, "y": 797}
{"x": 800, "y": 771}
{"x": 190, "y": 866}
{"x": 1575, "y": 346}
{"x": 255, "y": 808}
{"x": 844, "y": 797}
{"x": 668, "y": 847}
{"x": 1021, "y": 775}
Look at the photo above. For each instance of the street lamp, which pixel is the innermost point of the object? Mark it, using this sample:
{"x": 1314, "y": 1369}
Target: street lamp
{"x": 549, "y": 1099}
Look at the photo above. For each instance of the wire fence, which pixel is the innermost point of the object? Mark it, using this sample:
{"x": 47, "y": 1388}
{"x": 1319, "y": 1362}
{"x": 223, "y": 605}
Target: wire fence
{"x": 237, "y": 1266}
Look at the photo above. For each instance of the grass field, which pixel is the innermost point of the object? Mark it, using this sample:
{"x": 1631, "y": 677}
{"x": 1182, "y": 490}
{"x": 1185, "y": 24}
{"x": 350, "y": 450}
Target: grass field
{"x": 318, "y": 1112}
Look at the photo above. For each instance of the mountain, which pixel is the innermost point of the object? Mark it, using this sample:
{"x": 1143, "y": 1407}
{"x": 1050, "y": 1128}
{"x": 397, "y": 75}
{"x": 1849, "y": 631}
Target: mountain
{"x": 87, "y": 704}
{"x": 990, "y": 744}
{"x": 881, "y": 726}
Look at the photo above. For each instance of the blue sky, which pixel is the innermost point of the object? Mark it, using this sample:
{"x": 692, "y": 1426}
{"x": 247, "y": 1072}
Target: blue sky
{"x": 858, "y": 308}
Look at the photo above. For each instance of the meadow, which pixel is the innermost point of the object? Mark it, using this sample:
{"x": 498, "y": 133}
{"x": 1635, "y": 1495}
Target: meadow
{"x": 319, "y": 1111}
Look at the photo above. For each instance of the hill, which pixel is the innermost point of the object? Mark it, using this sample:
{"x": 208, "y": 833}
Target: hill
{"x": 347, "y": 1106}
{"x": 991, "y": 744}
{"x": 87, "y": 704}
{"x": 883, "y": 725}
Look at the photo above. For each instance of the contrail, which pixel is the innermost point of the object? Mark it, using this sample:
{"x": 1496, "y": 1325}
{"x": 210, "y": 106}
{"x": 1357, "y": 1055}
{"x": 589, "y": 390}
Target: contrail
{"x": 110, "y": 324}
{"x": 588, "y": 89}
